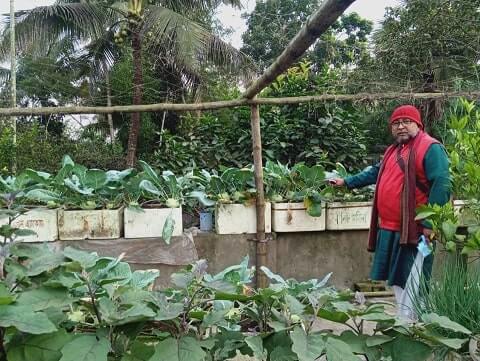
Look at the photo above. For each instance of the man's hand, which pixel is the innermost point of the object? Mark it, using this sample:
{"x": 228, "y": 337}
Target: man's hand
{"x": 429, "y": 235}
{"x": 337, "y": 182}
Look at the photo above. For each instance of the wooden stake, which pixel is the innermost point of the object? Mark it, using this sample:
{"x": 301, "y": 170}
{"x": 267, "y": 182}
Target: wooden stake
{"x": 261, "y": 252}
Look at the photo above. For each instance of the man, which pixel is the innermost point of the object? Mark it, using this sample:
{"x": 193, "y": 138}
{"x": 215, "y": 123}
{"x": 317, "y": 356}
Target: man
{"x": 414, "y": 171}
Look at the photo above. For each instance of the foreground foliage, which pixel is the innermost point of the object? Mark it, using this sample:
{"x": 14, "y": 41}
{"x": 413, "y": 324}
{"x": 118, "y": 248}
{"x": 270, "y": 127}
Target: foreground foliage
{"x": 76, "y": 305}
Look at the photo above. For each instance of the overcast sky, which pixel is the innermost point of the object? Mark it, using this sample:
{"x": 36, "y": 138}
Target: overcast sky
{"x": 370, "y": 9}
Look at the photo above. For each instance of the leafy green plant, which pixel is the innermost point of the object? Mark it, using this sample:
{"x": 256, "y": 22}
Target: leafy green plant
{"x": 59, "y": 305}
{"x": 233, "y": 185}
{"x": 165, "y": 189}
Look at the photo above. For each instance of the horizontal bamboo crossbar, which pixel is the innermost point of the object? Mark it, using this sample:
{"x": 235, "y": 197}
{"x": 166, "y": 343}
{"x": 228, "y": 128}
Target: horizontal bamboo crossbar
{"x": 360, "y": 97}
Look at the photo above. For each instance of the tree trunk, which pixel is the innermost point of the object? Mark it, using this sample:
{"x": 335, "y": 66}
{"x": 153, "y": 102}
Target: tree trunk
{"x": 109, "y": 104}
{"x": 137, "y": 98}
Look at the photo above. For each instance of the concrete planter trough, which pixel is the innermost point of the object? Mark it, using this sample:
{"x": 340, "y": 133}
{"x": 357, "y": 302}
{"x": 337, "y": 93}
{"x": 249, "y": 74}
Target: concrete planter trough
{"x": 42, "y": 221}
{"x": 90, "y": 224}
{"x": 348, "y": 215}
{"x": 239, "y": 218}
{"x": 293, "y": 217}
{"x": 149, "y": 222}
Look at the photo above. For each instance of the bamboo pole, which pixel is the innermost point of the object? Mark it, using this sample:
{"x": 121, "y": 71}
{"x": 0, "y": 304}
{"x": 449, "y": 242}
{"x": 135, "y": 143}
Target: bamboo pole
{"x": 13, "y": 83}
{"x": 318, "y": 22}
{"x": 360, "y": 97}
{"x": 261, "y": 241}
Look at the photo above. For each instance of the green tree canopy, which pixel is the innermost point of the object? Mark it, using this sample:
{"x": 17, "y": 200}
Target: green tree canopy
{"x": 273, "y": 23}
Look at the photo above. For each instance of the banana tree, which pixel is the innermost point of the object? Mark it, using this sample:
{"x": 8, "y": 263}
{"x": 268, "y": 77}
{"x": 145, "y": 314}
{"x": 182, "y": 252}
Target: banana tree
{"x": 165, "y": 29}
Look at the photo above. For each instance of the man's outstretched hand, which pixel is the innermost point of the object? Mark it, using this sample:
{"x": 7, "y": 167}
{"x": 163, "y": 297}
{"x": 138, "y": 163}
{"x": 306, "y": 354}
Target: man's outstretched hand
{"x": 337, "y": 182}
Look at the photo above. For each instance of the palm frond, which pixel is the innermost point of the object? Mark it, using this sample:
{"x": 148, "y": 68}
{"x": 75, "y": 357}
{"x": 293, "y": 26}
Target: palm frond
{"x": 187, "y": 6}
{"x": 4, "y": 76}
{"x": 38, "y": 28}
{"x": 189, "y": 45}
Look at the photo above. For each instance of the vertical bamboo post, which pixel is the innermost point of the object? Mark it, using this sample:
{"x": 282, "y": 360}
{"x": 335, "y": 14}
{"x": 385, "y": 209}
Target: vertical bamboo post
{"x": 261, "y": 241}
{"x": 13, "y": 83}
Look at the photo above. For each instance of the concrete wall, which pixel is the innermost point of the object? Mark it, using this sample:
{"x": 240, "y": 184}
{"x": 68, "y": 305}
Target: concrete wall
{"x": 302, "y": 255}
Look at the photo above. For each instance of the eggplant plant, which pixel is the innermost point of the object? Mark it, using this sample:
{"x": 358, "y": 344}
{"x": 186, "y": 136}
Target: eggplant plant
{"x": 76, "y": 305}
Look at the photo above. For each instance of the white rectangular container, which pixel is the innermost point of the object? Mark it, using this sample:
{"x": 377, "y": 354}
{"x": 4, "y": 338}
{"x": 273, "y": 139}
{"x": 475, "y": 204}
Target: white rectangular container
{"x": 43, "y": 221}
{"x": 239, "y": 218}
{"x": 293, "y": 217}
{"x": 348, "y": 215}
{"x": 148, "y": 222}
{"x": 90, "y": 224}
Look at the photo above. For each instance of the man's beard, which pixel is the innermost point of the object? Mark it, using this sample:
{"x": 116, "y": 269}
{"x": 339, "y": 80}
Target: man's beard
{"x": 404, "y": 138}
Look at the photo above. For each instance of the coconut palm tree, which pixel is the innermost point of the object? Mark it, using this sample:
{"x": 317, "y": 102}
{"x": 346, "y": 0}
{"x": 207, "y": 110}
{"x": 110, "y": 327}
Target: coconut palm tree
{"x": 159, "y": 27}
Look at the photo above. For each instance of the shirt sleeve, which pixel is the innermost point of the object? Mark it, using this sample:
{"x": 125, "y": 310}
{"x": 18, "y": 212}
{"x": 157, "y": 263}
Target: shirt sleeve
{"x": 365, "y": 178}
{"x": 436, "y": 166}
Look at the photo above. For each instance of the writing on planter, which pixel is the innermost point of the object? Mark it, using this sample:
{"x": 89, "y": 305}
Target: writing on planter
{"x": 353, "y": 217}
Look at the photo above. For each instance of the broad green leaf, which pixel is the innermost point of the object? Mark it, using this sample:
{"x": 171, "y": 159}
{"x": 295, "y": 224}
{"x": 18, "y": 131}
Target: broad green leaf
{"x": 144, "y": 278}
{"x": 403, "y": 348}
{"x": 167, "y": 310}
{"x": 43, "y": 196}
{"x": 138, "y": 312}
{"x": 356, "y": 342}
{"x": 449, "y": 230}
{"x": 45, "y": 263}
{"x": 424, "y": 214}
{"x": 183, "y": 349}
{"x": 444, "y": 322}
{"x": 24, "y": 319}
{"x": 213, "y": 318}
{"x": 307, "y": 347}
{"x": 85, "y": 259}
{"x": 95, "y": 178}
{"x": 42, "y": 298}
{"x": 335, "y": 316}
{"x": 273, "y": 276}
{"x": 24, "y": 232}
{"x": 39, "y": 348}
{"x": 139, "y": 352}
{"x": 149, "y": 172}
{"x": 62, "y": 278}
{"x": 314, "y": 206}
{"x": 295, "y": 307}
{"x": 6, "y": 297}
{"x": 86, "y": 348}
{"x": 455, "y": 343}
{"x": 168, "y": 227}
{"x": 118, "y": 176}
{"x": 338, "y": 350}
{"x": 256, "y": 345}
{"x": 282, "y": 353}
{"x": 202, "y": 198}
{"x": 377, "y": 340}
{"x": 28, "y": 250}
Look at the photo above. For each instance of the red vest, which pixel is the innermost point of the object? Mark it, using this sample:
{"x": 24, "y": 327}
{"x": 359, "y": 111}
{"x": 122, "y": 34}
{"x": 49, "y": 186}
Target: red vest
{"x": 390, "y": 185}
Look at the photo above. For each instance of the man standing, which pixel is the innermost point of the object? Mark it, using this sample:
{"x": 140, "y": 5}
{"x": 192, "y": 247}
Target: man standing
{"x": 414, "y": 171}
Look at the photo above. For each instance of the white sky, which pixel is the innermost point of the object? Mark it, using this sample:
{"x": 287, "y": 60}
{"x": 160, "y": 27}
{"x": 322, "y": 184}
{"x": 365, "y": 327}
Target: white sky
{"x": 370, "y": 9}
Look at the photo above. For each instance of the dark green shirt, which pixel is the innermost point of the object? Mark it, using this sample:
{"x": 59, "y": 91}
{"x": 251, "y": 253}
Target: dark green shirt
{"x": 436, "y": 166}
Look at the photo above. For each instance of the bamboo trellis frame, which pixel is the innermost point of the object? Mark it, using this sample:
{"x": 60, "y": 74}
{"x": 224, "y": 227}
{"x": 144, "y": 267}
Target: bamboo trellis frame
{"x": 324, "y": 17}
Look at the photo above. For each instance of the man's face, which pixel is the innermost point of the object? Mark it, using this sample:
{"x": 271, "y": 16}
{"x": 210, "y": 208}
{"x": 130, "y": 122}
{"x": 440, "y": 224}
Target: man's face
{"x": 404, "y": 129}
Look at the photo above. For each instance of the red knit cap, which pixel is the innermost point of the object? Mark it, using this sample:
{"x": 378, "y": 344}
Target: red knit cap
{"x": 407, "y": 112}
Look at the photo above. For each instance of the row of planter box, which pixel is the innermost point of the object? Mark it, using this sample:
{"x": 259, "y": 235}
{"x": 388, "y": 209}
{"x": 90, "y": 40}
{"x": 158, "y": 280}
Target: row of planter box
{"x": 58, "y": 224}
{"x": 53, "y": 224}
{"x": 292, "y": 217}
